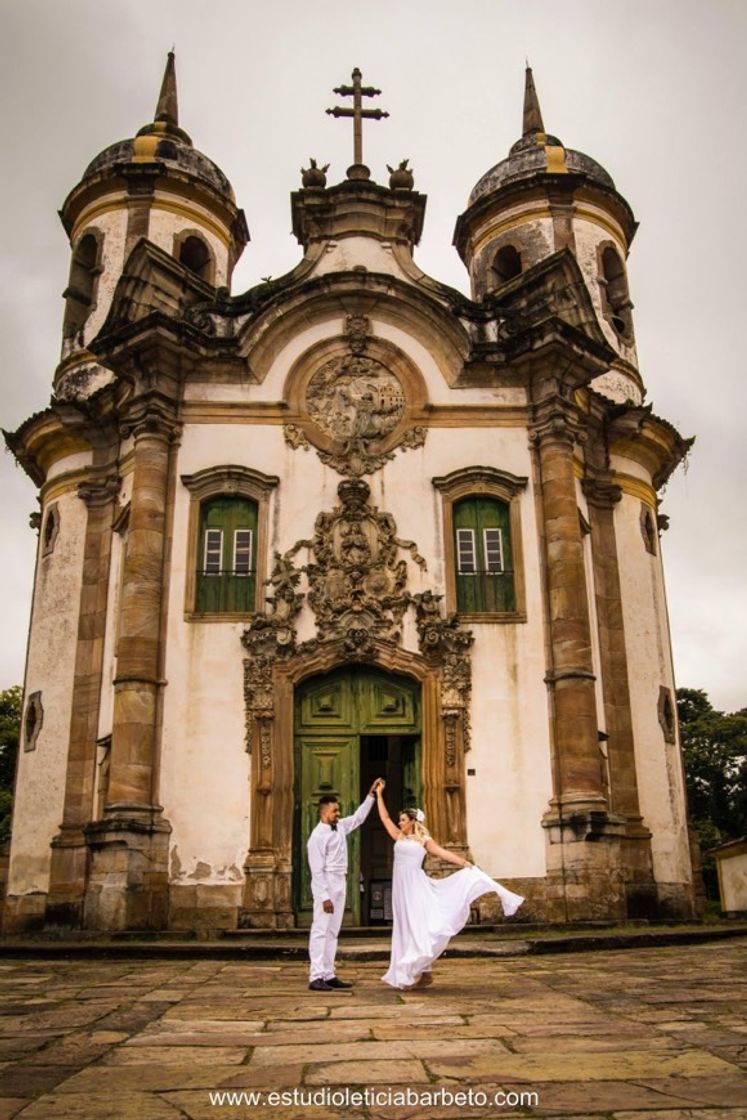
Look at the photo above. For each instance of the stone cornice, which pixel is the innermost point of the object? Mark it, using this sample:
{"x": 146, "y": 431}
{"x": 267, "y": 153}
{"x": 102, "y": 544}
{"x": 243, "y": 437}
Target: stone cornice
{"x": 654, "y": 443}
{"x": 44, "y": 439}
{"x": 229, "y": 479}
{"x": 99, "y": 492}
{"x": 478, "y": 478}
{"x": 361, "y": 208}
{"x": 542, "y": 186}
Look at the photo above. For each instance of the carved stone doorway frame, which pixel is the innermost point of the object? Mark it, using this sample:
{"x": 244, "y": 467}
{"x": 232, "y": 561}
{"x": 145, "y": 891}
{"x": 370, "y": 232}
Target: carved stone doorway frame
{"x": 268, "y": 867}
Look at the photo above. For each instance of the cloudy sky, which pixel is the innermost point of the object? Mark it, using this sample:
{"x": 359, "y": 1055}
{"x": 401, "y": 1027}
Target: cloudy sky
{"x": 653, "y": 89}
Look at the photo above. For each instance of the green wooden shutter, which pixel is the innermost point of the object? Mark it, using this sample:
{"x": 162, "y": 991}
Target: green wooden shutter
{"x": 232, "y": 588}
{"x": 490, "y": 588}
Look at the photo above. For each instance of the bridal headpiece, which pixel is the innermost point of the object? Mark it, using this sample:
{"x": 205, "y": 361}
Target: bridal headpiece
{"x": 419, "y": 816}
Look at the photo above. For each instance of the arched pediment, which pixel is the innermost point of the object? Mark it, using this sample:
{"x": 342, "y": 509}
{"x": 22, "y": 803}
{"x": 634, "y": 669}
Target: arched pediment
{"x": 325, "y": 298}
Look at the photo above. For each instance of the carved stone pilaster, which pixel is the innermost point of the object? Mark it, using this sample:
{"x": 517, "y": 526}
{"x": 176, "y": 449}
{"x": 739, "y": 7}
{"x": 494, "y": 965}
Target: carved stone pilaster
{"x": 556, "y": 420}
{"x": 70, "y": 855}
{"x": 133, "y": 836}
{"x": 556, "y": 427}
{"x": 151, "y": 414}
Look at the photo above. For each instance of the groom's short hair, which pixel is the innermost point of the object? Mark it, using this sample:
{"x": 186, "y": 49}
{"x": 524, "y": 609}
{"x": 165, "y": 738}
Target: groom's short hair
{"x": 327, "y": 799}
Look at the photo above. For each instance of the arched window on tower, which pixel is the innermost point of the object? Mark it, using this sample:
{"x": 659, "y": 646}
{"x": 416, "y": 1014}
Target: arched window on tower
{"x": 80, "y": 294}
{"x": 195, "y": 255}
{"x": 507, "y": 264}
{"x": 484, "y": 556}
{"x": 616, "y": 299}
{"x": 226, "y": 558}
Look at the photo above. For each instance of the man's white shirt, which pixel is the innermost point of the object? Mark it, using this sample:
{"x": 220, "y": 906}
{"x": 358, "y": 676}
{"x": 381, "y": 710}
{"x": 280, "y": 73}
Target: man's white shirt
{"x": 328, "y": 849}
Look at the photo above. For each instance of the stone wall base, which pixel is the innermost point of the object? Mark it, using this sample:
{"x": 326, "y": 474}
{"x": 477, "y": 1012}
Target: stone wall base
{"x": 676, "y": 900}
{"x": 204, "y": 908}
{"x": 24, "y": 913}
{"x": 67, "y": 881}
{"x": 267, "y": 893}
{"x": 128, "y": 884}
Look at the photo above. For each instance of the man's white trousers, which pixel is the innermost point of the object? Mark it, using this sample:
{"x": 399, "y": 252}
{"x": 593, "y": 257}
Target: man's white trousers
{"x": 325, "y": 929}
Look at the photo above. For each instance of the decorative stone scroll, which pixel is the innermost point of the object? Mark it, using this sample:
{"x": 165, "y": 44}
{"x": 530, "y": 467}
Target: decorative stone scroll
{"x": 443, "y": 638}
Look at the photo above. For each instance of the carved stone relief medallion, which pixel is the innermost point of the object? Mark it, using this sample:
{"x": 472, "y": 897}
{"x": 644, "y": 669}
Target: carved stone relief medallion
{"x": 356, "y": 401}
{"x": 353, "y": 410}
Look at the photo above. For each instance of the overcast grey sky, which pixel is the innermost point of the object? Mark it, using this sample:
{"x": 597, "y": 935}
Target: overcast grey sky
{"x": 653, "y": 89}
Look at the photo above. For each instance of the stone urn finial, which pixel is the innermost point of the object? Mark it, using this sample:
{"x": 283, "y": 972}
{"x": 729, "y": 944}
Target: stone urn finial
{"x": 401, "y": 178}
{"x": 314, "y": 176}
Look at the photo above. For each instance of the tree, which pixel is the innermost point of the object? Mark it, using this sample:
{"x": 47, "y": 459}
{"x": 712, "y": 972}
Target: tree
{"x": 714, "y": 748}
{"x": 10, "y": 733}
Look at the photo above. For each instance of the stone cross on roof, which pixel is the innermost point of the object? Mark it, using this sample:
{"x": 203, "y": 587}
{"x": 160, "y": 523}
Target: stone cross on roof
{"x": 357, "y": 92}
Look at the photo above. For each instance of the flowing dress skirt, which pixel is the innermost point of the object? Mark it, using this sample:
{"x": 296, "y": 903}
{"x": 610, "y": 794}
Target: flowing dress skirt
{"x": 427, "y": 912}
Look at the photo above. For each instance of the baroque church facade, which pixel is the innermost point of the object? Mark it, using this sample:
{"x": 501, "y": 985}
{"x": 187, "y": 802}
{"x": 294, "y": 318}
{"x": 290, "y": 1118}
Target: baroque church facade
{"x": 350, "y": 523}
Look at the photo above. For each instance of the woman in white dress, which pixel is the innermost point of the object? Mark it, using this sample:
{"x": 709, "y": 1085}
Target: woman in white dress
{"x": 427, "y": 912}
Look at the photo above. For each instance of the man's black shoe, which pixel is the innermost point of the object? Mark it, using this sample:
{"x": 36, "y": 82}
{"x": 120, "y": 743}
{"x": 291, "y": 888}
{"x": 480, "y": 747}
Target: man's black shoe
{"x": 335, "y": 983}
{"x": 320, "y": 986}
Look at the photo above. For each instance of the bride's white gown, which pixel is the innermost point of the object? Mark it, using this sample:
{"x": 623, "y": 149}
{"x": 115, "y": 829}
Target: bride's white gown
{"x": 428, "y": 912}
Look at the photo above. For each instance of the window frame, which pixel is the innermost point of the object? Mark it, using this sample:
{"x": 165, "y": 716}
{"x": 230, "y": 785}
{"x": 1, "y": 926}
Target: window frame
{"x": 80, "y": 304}
{"x": 209, "y": 266}
{"x": 229, "y": 481}
{"x": 502, "y": 486}
{"x": 613, "y": 310}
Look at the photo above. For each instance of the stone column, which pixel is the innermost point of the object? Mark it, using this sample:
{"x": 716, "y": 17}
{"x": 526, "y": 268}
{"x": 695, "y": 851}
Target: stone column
{"x": 584, "y": 880}
{"x": 128, "y": 885}
{"x": 68, "y": 870}
{"x": 602, "y": 496}
{"x": 570, "y": 674}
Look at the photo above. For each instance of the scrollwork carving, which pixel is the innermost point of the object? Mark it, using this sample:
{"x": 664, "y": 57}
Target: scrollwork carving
{"x": 357, "y": 328}
{"x": 357, "y": 584}
{"x": 445, "y": 639}
{"x": 295, "y": 437}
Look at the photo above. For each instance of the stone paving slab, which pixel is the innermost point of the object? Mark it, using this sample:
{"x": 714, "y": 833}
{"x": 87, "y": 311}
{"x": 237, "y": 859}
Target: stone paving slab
{"x": 657, "y": 1033}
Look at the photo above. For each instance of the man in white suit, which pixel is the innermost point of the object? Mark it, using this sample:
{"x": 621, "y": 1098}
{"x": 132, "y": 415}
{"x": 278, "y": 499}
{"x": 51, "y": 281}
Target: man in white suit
{"x": 328, "y": 859}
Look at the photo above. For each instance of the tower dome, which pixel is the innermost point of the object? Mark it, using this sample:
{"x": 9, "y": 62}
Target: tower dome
{"x": 155, "y": 185}
{"x": 542, "y": 198}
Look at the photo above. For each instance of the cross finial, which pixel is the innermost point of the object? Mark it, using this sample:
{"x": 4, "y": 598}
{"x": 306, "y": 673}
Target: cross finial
{"x": 357, "y": 92}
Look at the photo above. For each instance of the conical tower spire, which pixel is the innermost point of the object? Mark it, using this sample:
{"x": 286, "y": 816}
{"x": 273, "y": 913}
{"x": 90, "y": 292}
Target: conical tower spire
{"x": 532, "y": 111}
{"x": 167, "y": 109}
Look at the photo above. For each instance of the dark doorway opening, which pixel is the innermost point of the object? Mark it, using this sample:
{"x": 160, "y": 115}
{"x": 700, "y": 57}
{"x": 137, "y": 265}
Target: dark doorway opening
{"x": 392, "y": 757}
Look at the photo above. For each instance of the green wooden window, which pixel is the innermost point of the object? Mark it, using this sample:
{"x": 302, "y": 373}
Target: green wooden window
{"x": 483, "y": 556}
{"x": 226, "y": 556}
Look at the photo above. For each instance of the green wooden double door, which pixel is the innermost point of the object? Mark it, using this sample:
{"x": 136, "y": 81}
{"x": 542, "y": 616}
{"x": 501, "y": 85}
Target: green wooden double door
{"x": 352, "y": 726}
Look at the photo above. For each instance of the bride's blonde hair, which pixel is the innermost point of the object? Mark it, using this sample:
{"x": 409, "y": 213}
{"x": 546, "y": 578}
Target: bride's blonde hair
{"x": 419, "y": 831}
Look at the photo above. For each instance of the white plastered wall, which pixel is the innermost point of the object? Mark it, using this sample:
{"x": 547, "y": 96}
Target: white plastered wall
{"x": 588, "y": 236}
{"x": 658, "y": 764}
{"x": 164, "y": 223}
{"x": 112, "y": 228}
{"x": 205, "y": 768}
{"x": 40, "y": 785}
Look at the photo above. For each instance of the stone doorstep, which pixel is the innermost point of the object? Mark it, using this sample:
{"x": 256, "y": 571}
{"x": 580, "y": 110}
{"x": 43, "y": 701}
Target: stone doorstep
{"x": 276, "y": 945}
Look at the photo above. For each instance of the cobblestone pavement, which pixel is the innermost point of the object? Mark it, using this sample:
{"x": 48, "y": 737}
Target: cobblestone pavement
{"x": 641, "y": 1034}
